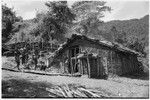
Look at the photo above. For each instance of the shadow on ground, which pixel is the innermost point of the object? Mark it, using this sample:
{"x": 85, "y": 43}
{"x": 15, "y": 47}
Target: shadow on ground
{"x": 25, "y": 89}
{"x": 22, "y": 89}
{"x": 141, "y": 76}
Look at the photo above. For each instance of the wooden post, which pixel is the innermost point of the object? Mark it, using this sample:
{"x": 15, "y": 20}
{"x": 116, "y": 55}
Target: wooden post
{"x": 88, "y": 62}
{"x": 101, "y": 66}
{"x": 131, "y": 64}
{"x": 112, "y": 69}
{"x": 124, "y": 67}
{"x": 61, "y": 66}
{"x": 70, "y": 62}
{"x": 71, "y": 67}
{"x": 121, "y": 67}
{"x": 75, "y": 59}
{"x": 51, "y": 46}
{"x": 81, "y": 65}
{"x": 64, "y": 66}
{"x": 98, "y": 67}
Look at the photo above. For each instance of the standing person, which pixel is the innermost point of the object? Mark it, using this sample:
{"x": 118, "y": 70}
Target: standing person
{"x": 26, "y": 55}
{"x": 26, "y": 58}
{"x": 66, "y": 65}
{"x": 35, "y": 57}
{"x": 23, "y": 56}
{"x": 35, "y": 60}
{"x": 43, "y": 62}
{"x": 17, "y": 58}
{"x": 105, "y": 67}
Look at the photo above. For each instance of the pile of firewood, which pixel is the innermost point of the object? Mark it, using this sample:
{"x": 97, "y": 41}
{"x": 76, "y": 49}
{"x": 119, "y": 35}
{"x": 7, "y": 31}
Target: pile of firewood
{"x": 74, "y": 92}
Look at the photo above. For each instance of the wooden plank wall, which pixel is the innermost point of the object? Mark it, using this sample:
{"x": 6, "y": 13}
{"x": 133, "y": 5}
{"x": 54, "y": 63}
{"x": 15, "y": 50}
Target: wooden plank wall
{"x": 93, "y": 68}
{"x": 135, "y": 62}
{"x": 118, "y": 63}
{"x": 129, "y": 64}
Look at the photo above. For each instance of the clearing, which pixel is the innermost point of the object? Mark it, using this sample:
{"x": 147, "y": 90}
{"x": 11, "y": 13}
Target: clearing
{"x": 20, "y": 84}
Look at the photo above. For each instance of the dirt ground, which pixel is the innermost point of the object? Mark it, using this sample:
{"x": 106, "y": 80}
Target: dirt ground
{"x": 29, "y": 85}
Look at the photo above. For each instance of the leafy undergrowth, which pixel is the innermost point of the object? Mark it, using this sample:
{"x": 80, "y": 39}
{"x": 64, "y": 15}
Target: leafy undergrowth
{"x": 24, "y": 89}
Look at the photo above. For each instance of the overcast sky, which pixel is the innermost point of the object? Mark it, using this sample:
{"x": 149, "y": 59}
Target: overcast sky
{"x": 122, "y": 10}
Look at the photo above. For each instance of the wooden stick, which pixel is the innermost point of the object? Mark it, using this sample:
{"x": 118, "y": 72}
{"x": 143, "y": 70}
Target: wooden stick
{"x": 67, "y": 91}
{"x": 89, "y": 92}
{"x": 62, "y": 91}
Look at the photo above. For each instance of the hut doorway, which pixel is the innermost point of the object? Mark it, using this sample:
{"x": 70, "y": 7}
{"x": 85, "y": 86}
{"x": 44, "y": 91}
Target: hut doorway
{"x": 74, "y": 62}
{"x": 97, "y": 68}
{"x": 84, "y": 66}
{"x": 75, "y": 65}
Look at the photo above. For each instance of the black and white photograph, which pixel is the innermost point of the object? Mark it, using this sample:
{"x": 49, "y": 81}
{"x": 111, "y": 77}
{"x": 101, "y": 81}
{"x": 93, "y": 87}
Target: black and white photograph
{"x": 76, "y": 49}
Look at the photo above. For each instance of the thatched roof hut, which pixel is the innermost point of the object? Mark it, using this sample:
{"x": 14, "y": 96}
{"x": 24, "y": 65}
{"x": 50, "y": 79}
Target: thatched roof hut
{"x": 90, "y": 56}
{"x": 108, "y": 44}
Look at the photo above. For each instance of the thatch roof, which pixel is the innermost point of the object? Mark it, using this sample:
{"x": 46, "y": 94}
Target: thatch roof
{"x": 105, "y": 43}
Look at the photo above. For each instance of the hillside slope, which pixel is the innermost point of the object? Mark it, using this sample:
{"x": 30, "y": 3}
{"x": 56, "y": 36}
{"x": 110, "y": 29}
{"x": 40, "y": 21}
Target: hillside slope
{"x": 134, "y": 28}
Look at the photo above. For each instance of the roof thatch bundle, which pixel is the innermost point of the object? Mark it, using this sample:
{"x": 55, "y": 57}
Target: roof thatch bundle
{"x": 105, "y": 43}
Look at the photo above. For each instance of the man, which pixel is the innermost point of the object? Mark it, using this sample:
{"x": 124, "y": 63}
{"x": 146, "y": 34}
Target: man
{"x": 34, "y": 61}
{"x": 26, "y": 58}
{"x": 23, "y": 56}
{"x": 105, "y": 67}
{"x": 42, "y": 61}
{"x": 66, "y": 65}
{"x": 35, "y": 58}
{"x": 17, "y": 58}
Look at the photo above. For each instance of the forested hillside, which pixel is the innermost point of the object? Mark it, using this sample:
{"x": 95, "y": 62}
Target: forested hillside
{"x": 132, "y": 33}
{"x": 133, "y": 28}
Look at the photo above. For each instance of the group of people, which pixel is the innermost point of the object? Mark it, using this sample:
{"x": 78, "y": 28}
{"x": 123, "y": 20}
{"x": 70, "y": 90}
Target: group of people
{"x": 22, "y": 57}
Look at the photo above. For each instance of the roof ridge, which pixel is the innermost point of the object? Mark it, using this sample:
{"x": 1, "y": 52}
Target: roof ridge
{"x": 115, "y": 45}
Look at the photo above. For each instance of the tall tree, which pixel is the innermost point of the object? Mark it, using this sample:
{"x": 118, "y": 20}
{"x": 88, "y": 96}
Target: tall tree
{"x": 89, "y": 13}
{"x": 89, "y": 9}
{"x": 8, "y": 19}
{"x": 114, "y": 33}
{"x": 121, "y": 38}
{"x": 56, "y": 21}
